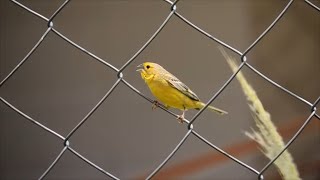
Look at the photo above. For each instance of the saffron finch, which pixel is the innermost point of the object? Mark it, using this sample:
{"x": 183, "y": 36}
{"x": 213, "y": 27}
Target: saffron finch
{"x": 170, "y": 90}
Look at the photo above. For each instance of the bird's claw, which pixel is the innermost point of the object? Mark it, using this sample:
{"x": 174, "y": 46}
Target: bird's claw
{"x": 180, "y": 119}
{"x": 155, "y": 105}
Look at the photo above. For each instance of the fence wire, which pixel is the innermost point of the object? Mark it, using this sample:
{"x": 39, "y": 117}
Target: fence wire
{"x": 121, "y": 79}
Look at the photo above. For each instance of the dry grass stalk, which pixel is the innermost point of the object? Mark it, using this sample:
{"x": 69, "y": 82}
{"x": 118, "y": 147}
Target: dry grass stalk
{"x": 267, "y": 135}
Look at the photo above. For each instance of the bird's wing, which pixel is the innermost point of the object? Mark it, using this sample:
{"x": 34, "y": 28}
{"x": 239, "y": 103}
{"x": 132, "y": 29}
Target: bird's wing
{"x": 177, "y": 84}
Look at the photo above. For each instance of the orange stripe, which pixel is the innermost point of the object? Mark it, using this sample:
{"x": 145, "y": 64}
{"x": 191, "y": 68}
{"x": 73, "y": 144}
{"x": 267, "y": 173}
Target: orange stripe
{"x": 211, "y": 159}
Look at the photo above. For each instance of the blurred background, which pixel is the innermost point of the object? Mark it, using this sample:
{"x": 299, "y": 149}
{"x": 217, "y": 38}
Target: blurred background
{"x": 59, "y": 84}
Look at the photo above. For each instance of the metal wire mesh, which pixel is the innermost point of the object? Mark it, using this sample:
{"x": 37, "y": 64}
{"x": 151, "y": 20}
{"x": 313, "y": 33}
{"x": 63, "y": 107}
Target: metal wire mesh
{"x": 121, "y": 79}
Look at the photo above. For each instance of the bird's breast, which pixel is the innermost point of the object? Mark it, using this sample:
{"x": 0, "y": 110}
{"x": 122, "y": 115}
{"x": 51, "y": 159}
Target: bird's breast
{"x": 169, "y": 95}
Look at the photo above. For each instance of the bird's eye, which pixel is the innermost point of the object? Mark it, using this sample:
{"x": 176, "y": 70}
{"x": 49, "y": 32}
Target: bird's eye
{"x": 147, "y": 66}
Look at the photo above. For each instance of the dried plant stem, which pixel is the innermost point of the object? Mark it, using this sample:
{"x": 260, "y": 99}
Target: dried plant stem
{"x": 267, "y": 135}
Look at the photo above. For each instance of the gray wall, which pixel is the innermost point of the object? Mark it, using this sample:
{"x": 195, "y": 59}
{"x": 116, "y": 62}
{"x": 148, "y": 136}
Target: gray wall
{"x": 59, "y": 85}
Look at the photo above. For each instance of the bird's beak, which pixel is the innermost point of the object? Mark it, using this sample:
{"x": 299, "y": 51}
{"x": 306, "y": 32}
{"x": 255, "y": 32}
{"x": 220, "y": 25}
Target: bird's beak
{"x": 140, "y": 68}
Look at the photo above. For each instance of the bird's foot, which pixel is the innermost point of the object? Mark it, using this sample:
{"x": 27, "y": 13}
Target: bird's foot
{"x": 155, "y": 104}
{"x": 180, "y": 118}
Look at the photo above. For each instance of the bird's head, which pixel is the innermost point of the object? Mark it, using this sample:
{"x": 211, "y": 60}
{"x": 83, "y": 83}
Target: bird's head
{"x": 148, "y": 69}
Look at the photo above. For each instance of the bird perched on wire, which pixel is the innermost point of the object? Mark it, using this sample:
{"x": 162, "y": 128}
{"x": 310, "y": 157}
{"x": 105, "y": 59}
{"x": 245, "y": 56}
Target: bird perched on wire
{"x": 170, "y": 90}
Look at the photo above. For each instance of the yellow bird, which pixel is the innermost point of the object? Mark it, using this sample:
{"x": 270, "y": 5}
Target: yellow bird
{"x": 170, "y": 90}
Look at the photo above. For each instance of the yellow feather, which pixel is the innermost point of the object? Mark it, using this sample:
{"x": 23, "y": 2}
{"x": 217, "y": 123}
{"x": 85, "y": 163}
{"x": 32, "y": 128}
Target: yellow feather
{"x": 171, "y": 91}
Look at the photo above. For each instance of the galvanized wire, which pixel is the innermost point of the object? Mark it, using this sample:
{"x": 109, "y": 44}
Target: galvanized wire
{"x": 121, "y": 79}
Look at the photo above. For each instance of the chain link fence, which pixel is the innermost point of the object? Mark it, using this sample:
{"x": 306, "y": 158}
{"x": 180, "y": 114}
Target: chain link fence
{"x": 121, "y": 78}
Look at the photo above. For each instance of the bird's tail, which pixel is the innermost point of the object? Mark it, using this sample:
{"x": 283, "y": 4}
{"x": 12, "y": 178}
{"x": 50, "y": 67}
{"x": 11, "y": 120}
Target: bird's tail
{"x": 214, "y": 109}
